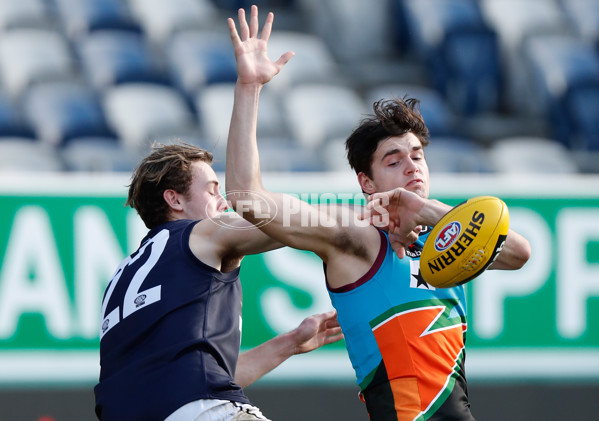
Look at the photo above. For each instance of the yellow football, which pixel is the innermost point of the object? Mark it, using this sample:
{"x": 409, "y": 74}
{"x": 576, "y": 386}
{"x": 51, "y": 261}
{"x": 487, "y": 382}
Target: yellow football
{"x": 464, "y": 242}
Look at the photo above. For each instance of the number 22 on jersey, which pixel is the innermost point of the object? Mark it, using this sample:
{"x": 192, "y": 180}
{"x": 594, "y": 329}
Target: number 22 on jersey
{"x": 134, "y": 299}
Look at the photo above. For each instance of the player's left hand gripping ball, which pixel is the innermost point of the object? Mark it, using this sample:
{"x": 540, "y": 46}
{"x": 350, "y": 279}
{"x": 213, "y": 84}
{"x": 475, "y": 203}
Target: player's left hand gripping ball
{"x": 465, "y": 242}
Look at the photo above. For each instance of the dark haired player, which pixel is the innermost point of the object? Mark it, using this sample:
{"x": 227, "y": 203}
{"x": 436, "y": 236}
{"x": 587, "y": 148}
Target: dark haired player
{"x": 404, "y": 338}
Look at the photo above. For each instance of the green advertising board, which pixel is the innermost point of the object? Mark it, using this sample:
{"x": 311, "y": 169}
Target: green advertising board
{"x": 62, "y": 237}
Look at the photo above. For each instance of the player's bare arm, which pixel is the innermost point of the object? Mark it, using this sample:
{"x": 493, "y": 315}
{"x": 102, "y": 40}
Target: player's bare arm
{"x": 400, "y": 211}
{"x": 328, "y": 239}
{"x": 314, "y": 331}
{"x": 223, "y": 241}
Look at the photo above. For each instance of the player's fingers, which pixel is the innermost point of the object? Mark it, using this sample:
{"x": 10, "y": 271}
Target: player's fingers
{"x": 267, "y": 28}
{"x": 412, "y": 237}
{"x": 334, "y": 332}
{"x": 284, "y": 59}
{"x": 398, "y": 247}
{"x": 234, "y": 34}
{"x": 254, "y": 25}
{"x": 244, "y": 30}
{"x": 333, "y": 339}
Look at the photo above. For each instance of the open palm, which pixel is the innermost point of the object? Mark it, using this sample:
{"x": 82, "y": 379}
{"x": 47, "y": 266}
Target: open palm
{"x": 251, "y": 53}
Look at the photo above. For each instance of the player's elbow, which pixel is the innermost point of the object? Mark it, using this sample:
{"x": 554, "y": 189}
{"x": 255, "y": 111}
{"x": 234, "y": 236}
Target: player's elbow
{"x": 520, "y": 254}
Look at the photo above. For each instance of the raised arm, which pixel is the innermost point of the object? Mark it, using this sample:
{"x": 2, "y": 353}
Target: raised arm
{"x": 314, "y": 332}
{"x": 285, "y": 218}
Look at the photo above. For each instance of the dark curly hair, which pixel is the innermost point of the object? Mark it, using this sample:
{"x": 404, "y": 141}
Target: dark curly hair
{"x": 392, "y": 117}
{"x": 167, "y": 167}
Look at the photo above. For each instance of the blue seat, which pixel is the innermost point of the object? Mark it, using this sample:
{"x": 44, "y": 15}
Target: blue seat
{"x": 80, "y": 17}
{"x": 564, "y": 70}
{"x": 11, "y": 121}
{"x": 200, "y": 58}
{"x": 467, "y": 70}
{"x": 60, "y": 111}
{"x": 429, "y": 20}
{"x": 461, "y": 51}
{"x": 516, "y": 21}
{"x": 582, "y": 106}
{"x": 113, "y": 57}
{"x": 584, "y": 15}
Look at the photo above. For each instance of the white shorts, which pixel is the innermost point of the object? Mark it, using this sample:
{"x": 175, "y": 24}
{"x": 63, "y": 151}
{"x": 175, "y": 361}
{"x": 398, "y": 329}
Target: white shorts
{"x": 216, "y": 410}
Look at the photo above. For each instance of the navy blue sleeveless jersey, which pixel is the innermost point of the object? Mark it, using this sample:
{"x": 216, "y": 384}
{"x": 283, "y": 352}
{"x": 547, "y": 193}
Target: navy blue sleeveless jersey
{"x": 170, "y": 331}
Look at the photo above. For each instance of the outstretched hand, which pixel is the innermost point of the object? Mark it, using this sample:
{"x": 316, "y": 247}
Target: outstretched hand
{"x": 251, "y": 53}
{"x": 397, "y": 211}
{"x": 316, "y": 331}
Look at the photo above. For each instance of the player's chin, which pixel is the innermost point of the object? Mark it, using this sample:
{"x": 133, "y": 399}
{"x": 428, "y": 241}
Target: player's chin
{"x": 418, "y": 188}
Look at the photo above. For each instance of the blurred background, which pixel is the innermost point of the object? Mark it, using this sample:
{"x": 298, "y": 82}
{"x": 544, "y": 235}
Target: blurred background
{"x": 509, "y": 90}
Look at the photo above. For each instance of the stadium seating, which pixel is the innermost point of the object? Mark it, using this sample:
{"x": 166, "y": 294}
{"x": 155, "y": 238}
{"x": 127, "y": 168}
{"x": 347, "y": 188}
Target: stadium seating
{"x": 110, "y": 57}
{"x": 456, "y": 155}
{"x": 438, "y": 116}
{"x": 23, "y": 14}
{"x": 139, "y": 112}
{"x": 60, "y": 111}
{"x": 98, "y": 154}
{"x": 515, "y": 21}
{"x": 582, "y": 110}
{"x": 12, "y": 123}
{"x": 335, "y": 22}
{"x": 162, "y": 18}
{"x": 461, "y": 52}
{"x": 80, "y": 17}
{"x": 199, "y": 58}
{"x": 561, "y": 69}
{"x": 584, "y": 15}
{"x": 28, "y": 56}
{"x": 114, "y": 75}
{"x": 27, "y": 155}
{"x": 317, "y": 113}
{"x": 313, "y": 62}
{"x": 528, "y": 155}
{"x": 214, "y": 104}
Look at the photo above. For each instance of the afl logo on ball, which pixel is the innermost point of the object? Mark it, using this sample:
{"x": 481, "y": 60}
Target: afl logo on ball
{"x": 447, "y": 236}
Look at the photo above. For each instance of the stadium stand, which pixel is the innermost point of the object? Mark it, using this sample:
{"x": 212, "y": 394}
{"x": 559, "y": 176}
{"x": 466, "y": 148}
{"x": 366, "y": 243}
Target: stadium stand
{"x": 114, "y": 75}
{"x": 562, "y": 69}
{"x": 198, "y": 58}
{"x": 529, "y": 155}
{"x": 110, "y": 57}
{"x": 29, "y": 56}
{"x": 138, "y": 112}
{"x": 98, "y": 154}
{"x": 27, "y": 155}
{"x": 214, "y": 104}
{"x": 440, "y": 118}
{"x": 80, "y": 17}
{"x": 162, "y": 18}
{"x": 319, "y": 112}
{"x": 60, "y": 111}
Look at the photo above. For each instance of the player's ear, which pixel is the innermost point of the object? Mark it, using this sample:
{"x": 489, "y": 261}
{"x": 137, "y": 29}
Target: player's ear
{"x": 366, "y": 183}
{"x": 171, "y": 198}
